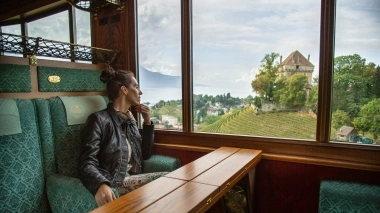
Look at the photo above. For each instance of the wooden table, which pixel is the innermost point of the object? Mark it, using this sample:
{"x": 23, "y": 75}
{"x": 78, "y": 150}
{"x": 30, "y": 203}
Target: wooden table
{"x": 194, "y": 187}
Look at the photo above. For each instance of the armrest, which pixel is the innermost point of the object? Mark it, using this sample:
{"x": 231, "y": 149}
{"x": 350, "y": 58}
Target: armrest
{"x": 67, "y": 194}
{"x": 160, "y": 163}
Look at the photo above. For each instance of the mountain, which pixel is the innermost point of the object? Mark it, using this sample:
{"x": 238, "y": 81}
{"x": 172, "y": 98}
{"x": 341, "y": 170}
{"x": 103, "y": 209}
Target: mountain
{"x": 149, "y": 79}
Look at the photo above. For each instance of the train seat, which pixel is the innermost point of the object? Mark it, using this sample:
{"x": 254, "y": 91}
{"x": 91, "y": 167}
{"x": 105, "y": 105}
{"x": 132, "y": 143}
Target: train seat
{"x": 61, "y": 147}
{"x": 22, "y": 183}
{"x": 341, "y": 196}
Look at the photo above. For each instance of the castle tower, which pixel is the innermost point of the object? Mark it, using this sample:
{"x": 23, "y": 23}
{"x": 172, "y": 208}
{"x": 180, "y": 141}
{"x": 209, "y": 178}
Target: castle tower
{"x": 296, "y": 63}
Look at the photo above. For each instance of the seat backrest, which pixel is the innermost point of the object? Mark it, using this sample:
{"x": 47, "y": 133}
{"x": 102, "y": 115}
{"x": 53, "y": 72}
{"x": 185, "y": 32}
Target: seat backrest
{"x": 61, "y": 141}
{"x": 22, "y": 184}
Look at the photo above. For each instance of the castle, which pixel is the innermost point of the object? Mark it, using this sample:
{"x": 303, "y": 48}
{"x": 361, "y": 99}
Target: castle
{"x": 296, "y": 63}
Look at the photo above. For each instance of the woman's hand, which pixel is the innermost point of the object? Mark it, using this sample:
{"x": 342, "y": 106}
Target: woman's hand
{"x": 104, "y": 195}
{"x": 145, "y": 112}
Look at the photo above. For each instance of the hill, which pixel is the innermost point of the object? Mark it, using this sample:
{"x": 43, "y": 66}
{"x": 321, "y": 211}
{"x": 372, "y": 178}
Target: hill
{"x": 277, "y": 124}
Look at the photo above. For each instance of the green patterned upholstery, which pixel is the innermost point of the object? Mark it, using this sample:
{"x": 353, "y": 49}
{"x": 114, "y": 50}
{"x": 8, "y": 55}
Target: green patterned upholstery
{"x": 15, "y": 78}
{"x": 46, "y": 136}
{"x": 72, "y": 80}
{"x": 61, "y": 147}
{"x": 77, "y": 199}
{"x": 159, "y": 163}
{"x": 66, "y": 139}
{"x": 22, "y": 184}
{"x": 346, "y": 197}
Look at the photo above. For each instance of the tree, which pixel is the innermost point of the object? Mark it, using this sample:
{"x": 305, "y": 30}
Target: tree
{"x": 376, "y": 83}
{"x": 352, "y": 84}
{"x": 370, "y": 117}
{"x": 263, "y": 84}
{"x": 340, "y": 118}
{"x": 312, "y": 100}
{"x": 359, "y": 125}
{"x": 294, "y": 95}
{"x": 257, "y": 102}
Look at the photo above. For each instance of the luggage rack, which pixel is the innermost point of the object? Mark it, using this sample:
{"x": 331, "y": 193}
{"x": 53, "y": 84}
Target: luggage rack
{"x": 48, "y": 48}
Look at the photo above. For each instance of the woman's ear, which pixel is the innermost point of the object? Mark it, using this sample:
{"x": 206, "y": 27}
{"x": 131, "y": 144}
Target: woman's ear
{"x": 124, "y": 89}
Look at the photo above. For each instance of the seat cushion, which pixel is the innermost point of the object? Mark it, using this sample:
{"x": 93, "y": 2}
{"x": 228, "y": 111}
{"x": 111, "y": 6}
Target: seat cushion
{"x": 160, "y": 163}
{"x": 345, "y": 197}
{"x": 67, "y": 194}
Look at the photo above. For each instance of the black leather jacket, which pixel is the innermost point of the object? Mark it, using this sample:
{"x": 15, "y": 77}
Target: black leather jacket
{"x": 104, "y": 152}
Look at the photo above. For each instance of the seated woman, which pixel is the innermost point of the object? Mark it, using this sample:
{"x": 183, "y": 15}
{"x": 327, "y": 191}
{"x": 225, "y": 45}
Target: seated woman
{"x": 112, "y": 148}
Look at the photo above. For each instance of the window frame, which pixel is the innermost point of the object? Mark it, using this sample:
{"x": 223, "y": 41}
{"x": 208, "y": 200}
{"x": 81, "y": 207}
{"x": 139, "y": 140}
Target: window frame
{"x": 24, "y": 19}
{"x": 326, "y": 68}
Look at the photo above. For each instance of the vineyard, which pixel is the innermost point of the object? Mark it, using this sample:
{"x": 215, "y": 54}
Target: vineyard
{"x": 276, "y": 124}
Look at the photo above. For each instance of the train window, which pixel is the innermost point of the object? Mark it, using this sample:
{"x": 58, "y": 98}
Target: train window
{"x": 356, "y": 81}
{"x": 12, "y": 29}
{"x": 54, "y": 27}
{"x": 82, "y": 29}
{"x": 159, "y": 60}
{"x": 245, "y": 60}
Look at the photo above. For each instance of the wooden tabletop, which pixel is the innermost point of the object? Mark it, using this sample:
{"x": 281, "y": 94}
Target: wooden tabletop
{"x": 142, "y": 197}
{"x": 187, "y": 198}
{"x": 200, "y": 165}
{"x": 229, "y": 169}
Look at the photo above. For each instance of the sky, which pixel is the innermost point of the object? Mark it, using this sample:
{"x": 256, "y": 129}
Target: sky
{"x": 230, "y": 38}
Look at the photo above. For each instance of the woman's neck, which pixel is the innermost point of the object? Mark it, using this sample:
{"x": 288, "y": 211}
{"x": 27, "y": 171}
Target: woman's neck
{"x": 120, "y": 105}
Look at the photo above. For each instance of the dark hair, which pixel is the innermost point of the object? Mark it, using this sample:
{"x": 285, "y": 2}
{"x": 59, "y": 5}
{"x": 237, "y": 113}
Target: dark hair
{"x": 114, "y": 80}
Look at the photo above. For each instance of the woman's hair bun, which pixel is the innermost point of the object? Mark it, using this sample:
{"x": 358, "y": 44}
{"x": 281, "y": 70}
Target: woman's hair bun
{"x": 107, "y": 74}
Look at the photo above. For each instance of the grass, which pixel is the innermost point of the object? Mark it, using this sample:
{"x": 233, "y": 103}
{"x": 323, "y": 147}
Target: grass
{"x": 277, "y": 124}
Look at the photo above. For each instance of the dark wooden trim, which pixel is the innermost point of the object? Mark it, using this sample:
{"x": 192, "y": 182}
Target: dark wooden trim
{"x": 326, "y": 66}
{"x": 187, "y": 72}
{"x": 131, "y": 35}
{"x": 11, "y": 8}
{"x": 72, "y": 28}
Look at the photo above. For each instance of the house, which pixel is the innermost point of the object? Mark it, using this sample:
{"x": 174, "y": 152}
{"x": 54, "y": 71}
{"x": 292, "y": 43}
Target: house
{"x": 212, "y": 111}
{"x": 346, "y": 133}
{"x": 169, "y": 120}
{"x": 296, "y": 63}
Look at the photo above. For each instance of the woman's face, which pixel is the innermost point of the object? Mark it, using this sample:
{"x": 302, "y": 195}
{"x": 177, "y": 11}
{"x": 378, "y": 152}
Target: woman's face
{"x": 134, "y": 93}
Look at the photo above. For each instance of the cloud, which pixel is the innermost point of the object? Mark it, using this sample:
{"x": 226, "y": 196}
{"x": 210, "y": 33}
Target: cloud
{"x": 233, "y": 36}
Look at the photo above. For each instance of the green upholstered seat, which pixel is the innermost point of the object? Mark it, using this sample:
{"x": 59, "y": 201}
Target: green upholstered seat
{"x": 61, "y": 147}
{"x": 346, "y": 197}
{"x": 159, "y": 163}
{"x": 22, "y": 184}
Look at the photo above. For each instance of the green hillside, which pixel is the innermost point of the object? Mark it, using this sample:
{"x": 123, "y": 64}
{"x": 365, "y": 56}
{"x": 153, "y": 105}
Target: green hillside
{"x": 276, "y": 124}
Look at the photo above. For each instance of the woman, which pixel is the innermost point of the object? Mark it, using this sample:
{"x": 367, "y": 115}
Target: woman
{"x": 112, "y": 146}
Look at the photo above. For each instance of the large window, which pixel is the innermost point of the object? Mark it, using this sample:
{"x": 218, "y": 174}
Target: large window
{"x": 255, "y": 67}
{"x": 82, "y": 27}
{"x": 12, "y": 29}
{"x": 355, "y": 116}
{"x": 56, "y": 27}
{"x": 159, "y": 64}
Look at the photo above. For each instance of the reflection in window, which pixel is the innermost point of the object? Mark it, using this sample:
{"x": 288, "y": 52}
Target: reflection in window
{"x": 255, "y": 67}
{"x": 12, "y": 29}
{"x": 54, "y": 27}
{"x": 159, "y": 55}
{"x": 355, "y": 116}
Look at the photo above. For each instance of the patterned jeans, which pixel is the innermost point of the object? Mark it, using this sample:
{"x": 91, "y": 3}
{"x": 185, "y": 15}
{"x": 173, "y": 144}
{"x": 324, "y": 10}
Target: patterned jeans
{"x": 133, "y": 182}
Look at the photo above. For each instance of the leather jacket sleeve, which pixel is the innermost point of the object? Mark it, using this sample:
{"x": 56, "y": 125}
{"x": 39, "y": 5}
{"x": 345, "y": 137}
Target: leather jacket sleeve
{"x": 89, "y": 173}
{"x": 147, "y": 140}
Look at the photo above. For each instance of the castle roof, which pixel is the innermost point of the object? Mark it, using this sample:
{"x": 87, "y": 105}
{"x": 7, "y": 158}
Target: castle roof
{"x": 296, "y": 58}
